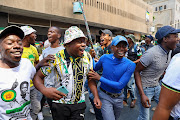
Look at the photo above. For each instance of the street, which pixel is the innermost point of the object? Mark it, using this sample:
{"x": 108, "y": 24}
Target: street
{"x": 126, "y": 114}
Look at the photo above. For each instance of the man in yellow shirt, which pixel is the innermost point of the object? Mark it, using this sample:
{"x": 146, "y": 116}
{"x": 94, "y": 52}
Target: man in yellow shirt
{"x": 30, "y": 52}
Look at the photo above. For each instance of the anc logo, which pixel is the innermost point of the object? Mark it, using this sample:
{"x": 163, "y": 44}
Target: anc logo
{"x": 8, "y": 95}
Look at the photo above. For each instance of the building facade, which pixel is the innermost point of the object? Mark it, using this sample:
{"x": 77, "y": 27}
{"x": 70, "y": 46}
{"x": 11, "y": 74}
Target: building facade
{"x": 120, "y": 16}
{"x": 166, "y": 12}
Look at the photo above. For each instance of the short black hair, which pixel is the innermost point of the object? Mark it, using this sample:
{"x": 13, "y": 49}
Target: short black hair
{"x": 58, "y": 29}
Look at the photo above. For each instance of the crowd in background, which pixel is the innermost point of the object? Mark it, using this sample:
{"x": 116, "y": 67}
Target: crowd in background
{"x": 59, "y": 73}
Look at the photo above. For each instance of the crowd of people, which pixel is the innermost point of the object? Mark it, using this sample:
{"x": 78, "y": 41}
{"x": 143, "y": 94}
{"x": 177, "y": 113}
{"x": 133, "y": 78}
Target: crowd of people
{"x": 62, "y": 73}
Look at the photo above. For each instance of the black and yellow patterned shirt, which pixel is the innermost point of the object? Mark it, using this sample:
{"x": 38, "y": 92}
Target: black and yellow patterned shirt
{"x": 71, "y": 73}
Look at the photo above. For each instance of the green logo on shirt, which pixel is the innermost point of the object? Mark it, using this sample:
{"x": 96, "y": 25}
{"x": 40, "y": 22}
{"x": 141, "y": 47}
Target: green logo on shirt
{"x": 8, "y": 95}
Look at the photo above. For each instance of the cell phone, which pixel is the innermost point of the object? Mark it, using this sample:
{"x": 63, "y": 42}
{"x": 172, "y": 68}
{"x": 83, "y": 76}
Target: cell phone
{"x": 63, "y": 89}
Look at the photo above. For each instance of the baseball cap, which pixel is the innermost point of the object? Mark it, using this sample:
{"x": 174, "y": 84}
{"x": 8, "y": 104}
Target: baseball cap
{"x": 27, "y": 30}
{"x": 118, "y": 39}
{"x": 131, "y": 36}
{"x": 73, "y": 33}
{"x": 150, "y": 37}
{"x": 165, "y": 30}
{"x": 106, "y": 31}
{"x": 12, "y": 29}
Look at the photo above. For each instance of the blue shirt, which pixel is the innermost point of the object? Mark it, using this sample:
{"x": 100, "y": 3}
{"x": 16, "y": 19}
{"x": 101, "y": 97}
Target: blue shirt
{"x": 116, "y": 72}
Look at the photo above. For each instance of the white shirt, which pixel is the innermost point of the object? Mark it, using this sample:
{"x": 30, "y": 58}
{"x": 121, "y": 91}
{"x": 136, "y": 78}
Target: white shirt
{"x": 15, "y": 91}
{"x": 171, "y": 81}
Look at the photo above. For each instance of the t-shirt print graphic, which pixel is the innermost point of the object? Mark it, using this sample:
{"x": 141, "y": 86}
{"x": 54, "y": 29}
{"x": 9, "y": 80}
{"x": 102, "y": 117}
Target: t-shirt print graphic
{"x": 10, "y": 95}
{"x": 19, "y": 106}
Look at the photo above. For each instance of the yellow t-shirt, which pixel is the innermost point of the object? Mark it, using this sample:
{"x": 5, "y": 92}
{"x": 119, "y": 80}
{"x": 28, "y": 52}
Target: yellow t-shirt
{"x": 31, "y": 54}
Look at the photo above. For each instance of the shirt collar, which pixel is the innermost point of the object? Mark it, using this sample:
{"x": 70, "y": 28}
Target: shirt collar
{"x": 163, "y": 49}
{"x": 67, "y": 56}
{"x": 117, "y": 59}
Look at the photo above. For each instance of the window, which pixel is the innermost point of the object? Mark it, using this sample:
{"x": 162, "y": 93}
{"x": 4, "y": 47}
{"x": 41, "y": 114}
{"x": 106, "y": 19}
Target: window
{"x": 164, "y": 6}
{"x": 176, "y": 7}
{"x": 87, "y": 2}
{"x": 160, "y": 8}
{"x": 156, "y": 9}
{"x": 101, "y": 5}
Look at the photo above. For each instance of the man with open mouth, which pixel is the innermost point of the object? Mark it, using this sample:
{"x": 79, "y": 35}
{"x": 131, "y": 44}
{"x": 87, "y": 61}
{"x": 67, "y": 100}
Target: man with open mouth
{"x": 14, "y": 71}
{"x": 71, "y": 66}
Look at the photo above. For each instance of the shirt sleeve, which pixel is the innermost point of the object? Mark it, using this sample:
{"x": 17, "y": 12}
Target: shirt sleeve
{"x": 36, "y": 55}
{"x": 91, "y": 62}
{"x": 147, "y": 58}
{"x": 98, "y": 65}
{"x": 171, "y": 79}
{"x": 33, "y": 71}
{"x": 123, "y": 80}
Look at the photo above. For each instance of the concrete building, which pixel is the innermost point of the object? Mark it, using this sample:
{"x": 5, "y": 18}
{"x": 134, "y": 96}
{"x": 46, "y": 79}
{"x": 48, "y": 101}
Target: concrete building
{"x": 166, "y": 12}
{"x": 120, "y": 16}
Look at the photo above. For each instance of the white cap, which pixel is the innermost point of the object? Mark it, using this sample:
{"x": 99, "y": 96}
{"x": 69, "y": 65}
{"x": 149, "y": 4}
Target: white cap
{"x": 142, "y": 41}
{"x": 27, "y": 30}
{"x": 73, "y": 33}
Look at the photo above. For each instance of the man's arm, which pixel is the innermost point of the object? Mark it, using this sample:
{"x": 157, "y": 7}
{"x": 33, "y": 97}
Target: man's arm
{"x": 168, "y": 99}
{"x": 137, "y": 59}
{"x": 139, "y": 54}
{"x": 144, "y": 98}
{"x": 93, "y": 87}
{"x": 44, "y": 62}
{"x": 98, "y": 65}
{"x": 51, "y": 93}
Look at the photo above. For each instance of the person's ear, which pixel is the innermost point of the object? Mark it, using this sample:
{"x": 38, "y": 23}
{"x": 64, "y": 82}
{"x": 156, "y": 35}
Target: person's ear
{"x": 110, "y": 38}
{"x": 112, "y": 48}
{"x": 165, "y": 39}
{"x": 59, "y": 35}
{"x": 126, "y": 49}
